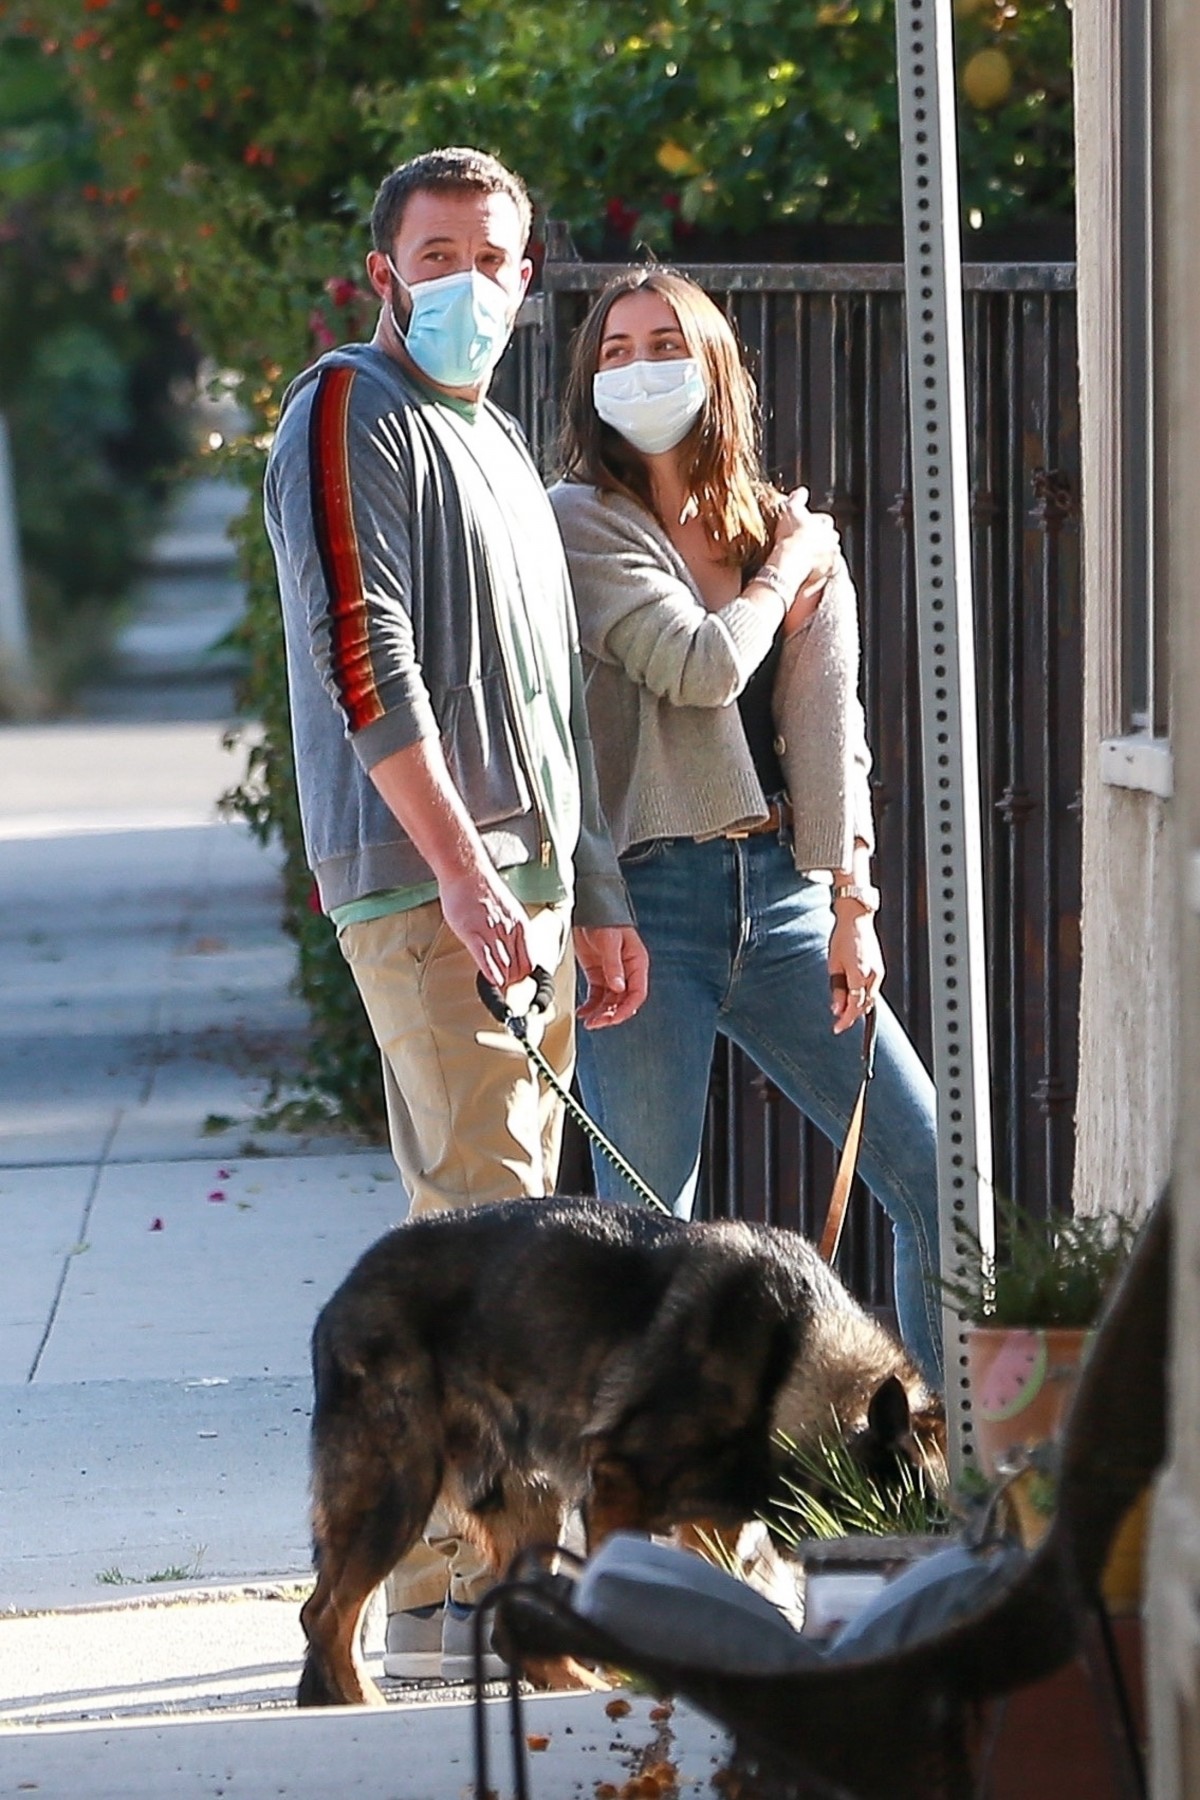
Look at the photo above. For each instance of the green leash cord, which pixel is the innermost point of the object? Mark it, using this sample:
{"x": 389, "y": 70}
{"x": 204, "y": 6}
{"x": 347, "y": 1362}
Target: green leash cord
{"x": 518, "y": 1024}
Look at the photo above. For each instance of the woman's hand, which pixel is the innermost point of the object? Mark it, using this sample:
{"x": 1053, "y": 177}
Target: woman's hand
{"x": 855, "y": 968}
{"x": 615, "y": 964}
{"x": 806, "y": 544}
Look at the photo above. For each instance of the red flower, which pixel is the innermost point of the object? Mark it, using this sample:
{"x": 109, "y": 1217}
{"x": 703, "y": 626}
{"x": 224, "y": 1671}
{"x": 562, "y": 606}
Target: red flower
{"x": 341, "y": 291}
{"x": 622, "y": 218}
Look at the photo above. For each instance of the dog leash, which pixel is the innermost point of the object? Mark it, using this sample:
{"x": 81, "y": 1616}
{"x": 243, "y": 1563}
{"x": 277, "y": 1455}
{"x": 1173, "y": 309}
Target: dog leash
{"x": 835, "y": 1218}
{"x": 518, "y": 1025}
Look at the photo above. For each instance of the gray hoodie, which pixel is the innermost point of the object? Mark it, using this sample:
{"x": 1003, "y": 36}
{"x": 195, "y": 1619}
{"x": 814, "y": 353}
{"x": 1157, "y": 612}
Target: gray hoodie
{"x": 425, "y": 593}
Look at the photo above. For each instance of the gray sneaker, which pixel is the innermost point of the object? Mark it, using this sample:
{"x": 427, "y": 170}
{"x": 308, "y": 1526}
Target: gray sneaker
{"x": 458, "y": 1647}
{"x": 413, "y": 1645}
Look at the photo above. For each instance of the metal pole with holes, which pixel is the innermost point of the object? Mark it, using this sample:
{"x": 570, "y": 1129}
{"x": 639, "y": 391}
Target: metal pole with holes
{"x": 946, "y": 641}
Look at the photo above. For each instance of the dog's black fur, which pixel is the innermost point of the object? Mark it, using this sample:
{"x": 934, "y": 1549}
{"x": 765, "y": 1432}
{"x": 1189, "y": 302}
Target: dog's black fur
{"x": 517, "y": 1358}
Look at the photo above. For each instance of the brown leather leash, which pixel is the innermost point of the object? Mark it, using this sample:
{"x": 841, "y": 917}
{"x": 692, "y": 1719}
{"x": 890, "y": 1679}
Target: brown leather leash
{"x": 835, "y": 1218}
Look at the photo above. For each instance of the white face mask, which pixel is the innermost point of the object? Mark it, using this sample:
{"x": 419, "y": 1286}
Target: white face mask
{"x": 652, "y": 404}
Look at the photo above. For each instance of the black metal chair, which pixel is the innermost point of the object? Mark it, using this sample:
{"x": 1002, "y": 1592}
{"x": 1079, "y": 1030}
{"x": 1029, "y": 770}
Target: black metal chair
{"x": 906, "y": 1725}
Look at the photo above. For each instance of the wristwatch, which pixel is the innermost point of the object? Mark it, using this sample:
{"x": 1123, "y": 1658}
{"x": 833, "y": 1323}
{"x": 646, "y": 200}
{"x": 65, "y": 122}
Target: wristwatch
{"x": 867, "y": 897}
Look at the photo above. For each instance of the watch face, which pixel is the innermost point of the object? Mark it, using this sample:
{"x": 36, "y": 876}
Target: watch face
{"x": 866, "y": 896}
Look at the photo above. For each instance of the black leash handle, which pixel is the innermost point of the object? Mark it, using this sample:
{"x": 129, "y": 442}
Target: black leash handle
{"x": 497, "y": 1005}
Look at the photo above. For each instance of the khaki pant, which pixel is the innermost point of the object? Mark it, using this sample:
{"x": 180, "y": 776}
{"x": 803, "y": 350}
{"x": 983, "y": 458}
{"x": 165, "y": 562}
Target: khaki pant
{"x": 469, "y": 1117}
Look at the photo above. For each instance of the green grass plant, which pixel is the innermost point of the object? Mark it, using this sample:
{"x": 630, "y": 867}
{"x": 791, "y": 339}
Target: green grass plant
{"x": 1043, "y": 1273}
{"x": 824, "y": 1493}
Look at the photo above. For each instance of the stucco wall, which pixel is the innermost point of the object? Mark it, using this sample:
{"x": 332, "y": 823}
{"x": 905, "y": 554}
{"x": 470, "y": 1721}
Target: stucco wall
{"x": 1128, "y": 994}
{"x": 1128, "y": 1007}
{"x": 1141, "y": 931}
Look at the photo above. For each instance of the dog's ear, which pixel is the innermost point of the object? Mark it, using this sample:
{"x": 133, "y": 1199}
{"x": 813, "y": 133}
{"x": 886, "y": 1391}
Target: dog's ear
{"x": 899, "y": 1433}
{"x": 889, "y": 1417}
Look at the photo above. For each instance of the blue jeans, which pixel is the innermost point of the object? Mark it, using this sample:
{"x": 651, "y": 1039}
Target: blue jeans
{"x": 738, "y": 944}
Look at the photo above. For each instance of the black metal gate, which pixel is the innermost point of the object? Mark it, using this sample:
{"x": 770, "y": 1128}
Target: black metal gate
{"x": 827, "y": 347}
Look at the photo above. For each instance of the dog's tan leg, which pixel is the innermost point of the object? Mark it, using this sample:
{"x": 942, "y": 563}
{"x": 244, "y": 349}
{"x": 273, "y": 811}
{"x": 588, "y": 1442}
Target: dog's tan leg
{"x": 532, "y": 1514}
{"x": 365, "y": 1522}
{"x": 563, "y": 1675}
{"x": 330, "y": 1620}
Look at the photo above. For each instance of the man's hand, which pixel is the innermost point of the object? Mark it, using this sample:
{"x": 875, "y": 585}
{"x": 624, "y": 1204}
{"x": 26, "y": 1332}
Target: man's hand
{"x": 481, "y": 909}
{"x": 614, "y": 961}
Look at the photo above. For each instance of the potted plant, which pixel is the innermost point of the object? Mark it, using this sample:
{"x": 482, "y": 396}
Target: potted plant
{"x": 1030, "y": 1309}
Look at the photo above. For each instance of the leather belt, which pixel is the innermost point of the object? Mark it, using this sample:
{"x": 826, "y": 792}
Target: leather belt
{"x": 779, "y": 818}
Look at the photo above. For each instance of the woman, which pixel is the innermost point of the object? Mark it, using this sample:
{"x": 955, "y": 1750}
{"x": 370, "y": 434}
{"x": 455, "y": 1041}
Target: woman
{"x": 720, "y": 633}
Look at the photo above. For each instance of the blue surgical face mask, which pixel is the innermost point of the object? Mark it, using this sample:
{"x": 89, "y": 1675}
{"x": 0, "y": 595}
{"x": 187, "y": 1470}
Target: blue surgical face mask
{"x": 652, "y": 404}
{"x": 458, "y": 326}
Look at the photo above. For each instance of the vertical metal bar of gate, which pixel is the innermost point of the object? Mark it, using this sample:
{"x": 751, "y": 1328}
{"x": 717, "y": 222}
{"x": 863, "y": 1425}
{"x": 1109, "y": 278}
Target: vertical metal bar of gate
{"x": 945, "y": 624}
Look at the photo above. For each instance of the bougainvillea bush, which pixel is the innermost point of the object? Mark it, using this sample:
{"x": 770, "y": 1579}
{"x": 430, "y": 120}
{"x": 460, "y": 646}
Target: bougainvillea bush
{"x": 243, "y": 138}
{"x": 242, "y": 141}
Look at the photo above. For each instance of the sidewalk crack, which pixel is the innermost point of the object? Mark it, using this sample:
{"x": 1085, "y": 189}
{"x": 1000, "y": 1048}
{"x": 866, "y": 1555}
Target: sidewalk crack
{"x": 81, "y": 1237}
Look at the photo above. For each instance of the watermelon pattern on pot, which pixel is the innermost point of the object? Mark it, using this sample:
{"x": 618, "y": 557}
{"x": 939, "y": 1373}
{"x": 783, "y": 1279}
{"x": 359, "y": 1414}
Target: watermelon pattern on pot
{"x": 1014, "y": 1377}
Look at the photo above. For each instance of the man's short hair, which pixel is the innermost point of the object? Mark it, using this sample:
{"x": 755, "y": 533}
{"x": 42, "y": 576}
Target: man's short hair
{"x": 457, "y": 168}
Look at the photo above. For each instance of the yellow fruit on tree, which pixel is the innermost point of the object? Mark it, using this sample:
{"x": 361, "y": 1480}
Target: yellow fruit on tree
{"x": 675, "y": 159}
{"x": 987, "y": 79}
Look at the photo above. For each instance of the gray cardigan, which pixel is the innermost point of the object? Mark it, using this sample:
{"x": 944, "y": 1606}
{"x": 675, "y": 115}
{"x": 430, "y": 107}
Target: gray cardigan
{"x": 663, "y": 675}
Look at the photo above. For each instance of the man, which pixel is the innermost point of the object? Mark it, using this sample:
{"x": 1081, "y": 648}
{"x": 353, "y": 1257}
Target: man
{"x": 445, "y": 774}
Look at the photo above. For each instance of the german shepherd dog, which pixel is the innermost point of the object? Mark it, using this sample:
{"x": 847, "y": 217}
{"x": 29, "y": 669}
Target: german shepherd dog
{"x": 519, "y": 1358}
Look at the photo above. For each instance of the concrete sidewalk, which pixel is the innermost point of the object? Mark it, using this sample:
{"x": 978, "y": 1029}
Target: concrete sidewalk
{"x": 162, "y": 1258}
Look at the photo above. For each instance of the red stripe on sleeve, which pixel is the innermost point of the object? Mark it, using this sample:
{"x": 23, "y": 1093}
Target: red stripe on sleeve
{"x": 337, "y": 547}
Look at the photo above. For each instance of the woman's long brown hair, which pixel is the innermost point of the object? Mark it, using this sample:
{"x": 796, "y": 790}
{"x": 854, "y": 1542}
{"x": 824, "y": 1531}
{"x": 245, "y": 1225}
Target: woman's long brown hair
{"x": 719, "y": 457}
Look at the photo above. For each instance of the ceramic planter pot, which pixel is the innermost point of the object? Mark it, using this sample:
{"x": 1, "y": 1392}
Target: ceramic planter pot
{"x": 1021, "y": 1382}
